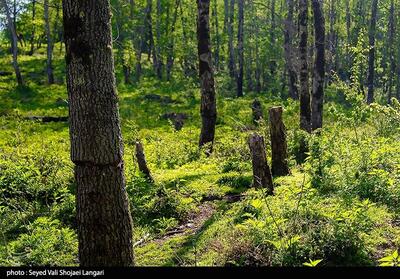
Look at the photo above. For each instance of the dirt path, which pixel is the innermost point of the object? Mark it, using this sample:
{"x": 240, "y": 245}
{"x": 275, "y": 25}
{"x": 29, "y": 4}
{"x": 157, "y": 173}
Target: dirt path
{"x": 196, "y": 221}
{"x": 192, "y": 225}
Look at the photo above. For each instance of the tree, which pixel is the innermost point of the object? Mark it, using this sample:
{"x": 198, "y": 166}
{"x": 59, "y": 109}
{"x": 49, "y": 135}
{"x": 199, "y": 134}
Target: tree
{"x": 32, "y": 39}
{"x": 104, "y": 221}
{"x": 240, "y": 49}
{"x": 371, "y": 55}
{"x": 305, "y": 106}
{"x": 289, "y": 51}
{"x": 392, "y": 32}
{"x": 14, "y": 42}
{"x": 231, "y": 51}
{"x": 208, "y": 101}
{"x": 319, "y": 66}
{"x": 49, "y": 68}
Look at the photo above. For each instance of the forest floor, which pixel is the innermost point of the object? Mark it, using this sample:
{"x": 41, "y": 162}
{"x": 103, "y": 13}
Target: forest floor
{"x": 339, "y": 205}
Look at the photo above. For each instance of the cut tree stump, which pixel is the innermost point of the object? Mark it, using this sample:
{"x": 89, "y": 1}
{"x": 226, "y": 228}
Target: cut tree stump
{"x": 141, "y": 159}
{"x": 262, "y": 177}
{"x": 178, "y": 119}
{"x": 257, "y": 111}
{"x": 278, "y": 142}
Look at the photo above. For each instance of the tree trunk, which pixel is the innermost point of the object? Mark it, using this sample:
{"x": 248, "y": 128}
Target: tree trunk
{"x": 141, "y": 159}
{"x": 331, "y": 41}
{"x": 280, "y": 165}
{"x": 272, "y": 31}
{"x": 14, "y": 43}
{"x": 231, "y": 63}
{"x": 226, "y": 15}
{"x": 239, "y": 87}
{"x": 305, "y": 105}
{"x": 262, "y": 177}
{"x": 319, "y": 66}
{"x": 157, "y": 61}
{"x": 170, "y": 58}
{"x": 208, "y": 100}
{"x": 49, "y": 68}
{"x": 289, "y": 51}
{"x": 392, "y": 33}
{"x": 371, "y": 55}
{"x": 32, "y": 41}
{"x": 217, "y": 37}
{"x": 104, "y": 220}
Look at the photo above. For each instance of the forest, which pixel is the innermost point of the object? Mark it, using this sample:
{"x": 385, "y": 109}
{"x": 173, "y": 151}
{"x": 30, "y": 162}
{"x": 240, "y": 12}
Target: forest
{"x": 204, "y": 133}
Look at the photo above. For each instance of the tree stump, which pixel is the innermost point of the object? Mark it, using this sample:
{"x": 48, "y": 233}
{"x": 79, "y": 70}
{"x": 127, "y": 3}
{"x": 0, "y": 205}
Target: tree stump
{"x": 278, "y": 143}
{"x": 141, "y": 159}
{"x": 262, "y": 177}
{"x": 257, "y": 111}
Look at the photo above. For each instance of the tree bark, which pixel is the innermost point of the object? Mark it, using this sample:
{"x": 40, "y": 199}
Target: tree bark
{"x": 392, "y": 33}
{"x": 217, "y": 37}
{"x": 256, "y": 107}
{"x": 319, "y": 66}
{"x": 141, "y": 159}
{"x": 280, "y": 165}
{"x": 371, "y": 55}
{"x": 49, "y": 68}
{"x": 157, "y": 60}
{"x": 262, "y": 177}
{"x": 170, "y": 58}
{"x": 208, "y": 100}
{"x": 32, "y": 40}
{"x": 103, "y": 217}
{"x": 231, "y": 62}
{"x": 289, "y": 51}
{"x": 239, "y": 88}
{"x": 272, "y": 37}
{"x": 305, "y": 105}
{"x": 14, "y": 43}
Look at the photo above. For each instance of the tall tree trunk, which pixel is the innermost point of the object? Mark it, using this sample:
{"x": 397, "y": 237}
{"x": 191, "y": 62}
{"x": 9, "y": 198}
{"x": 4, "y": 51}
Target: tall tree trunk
{"x": 32, "y": 41}
{"x": 231, "y": 63}
{"x": 348, "y": 39}
{"x": 170, "y": 58}
{"x": 141, "y": 42}
{"x": 208, "y": 100}
{"x": 239, "y": 87}
{"x": 49, "y": 68}
{"x": 217, "y": 37}
{"x": 226, "y": 15}
{"x": 104, "y": 220}
{"x": 289, "y": 51}
{"x": 272, "y": 32}
{"x": 157, "y": 62}
{"x": 258, "y": 70}
{"x": 391, "y": 50}
{"x": 14, "y": 42}
{"x": 305, "y": 105}
{"x": 319, "y": 65}
{"x": 120, "y": 43}
{"x": 331, "y": 42}
{"x": 371, "y": 55}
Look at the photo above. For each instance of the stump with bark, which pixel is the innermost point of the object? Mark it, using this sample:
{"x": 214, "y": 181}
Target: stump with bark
{"x": 141, "y": 159}
{"x": 278, "y": 142}
{"x": 262, "y": 177}
{"x": 257, "y": 111}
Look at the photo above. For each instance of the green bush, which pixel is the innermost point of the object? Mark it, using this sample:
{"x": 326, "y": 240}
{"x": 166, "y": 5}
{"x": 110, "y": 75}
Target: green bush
{"x": 47, "y": 243}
